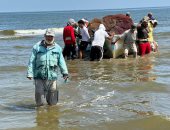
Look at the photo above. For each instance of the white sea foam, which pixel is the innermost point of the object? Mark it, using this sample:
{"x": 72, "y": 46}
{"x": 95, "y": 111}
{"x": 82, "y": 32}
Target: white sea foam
{"x": 101, "y": 98}
{"x": 12, "y": 34}
{"x": 33, "y": 32}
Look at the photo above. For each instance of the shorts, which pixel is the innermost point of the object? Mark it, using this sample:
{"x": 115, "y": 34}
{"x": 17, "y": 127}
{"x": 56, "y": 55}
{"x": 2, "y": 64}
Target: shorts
{"x": 130, "y": 48}
{"x": 144, "y": 48}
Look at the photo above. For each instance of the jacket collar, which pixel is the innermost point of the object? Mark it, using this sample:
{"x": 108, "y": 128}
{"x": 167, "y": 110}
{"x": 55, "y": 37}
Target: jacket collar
{"x": 45, "y": 46}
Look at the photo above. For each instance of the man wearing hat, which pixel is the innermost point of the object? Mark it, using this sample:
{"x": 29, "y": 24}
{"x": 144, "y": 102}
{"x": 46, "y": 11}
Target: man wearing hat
{"x": 69, "y": 40}
{"x": 86, "y": 22}
{"x": 150, "y": 16}
{"x": 45, "y": 59}
{"x": 129, "y": 38}
{"x": 128, "y": 14}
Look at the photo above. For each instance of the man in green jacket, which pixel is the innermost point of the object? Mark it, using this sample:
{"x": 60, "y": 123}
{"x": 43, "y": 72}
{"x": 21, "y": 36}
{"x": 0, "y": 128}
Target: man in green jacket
{"x": 44, "y": 62}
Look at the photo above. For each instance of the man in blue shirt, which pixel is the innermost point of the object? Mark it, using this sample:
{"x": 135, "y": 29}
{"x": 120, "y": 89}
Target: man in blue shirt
{"x": 44, "y": 62}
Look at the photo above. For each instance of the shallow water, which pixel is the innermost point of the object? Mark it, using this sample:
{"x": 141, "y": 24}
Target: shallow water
{"x": 111, "y": 94}
{"x": 118, "y": 94}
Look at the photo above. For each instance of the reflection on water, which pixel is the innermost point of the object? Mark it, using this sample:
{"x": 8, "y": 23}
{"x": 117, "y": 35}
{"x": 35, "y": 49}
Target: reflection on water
{"x": 149, "y": 123}
{"x": 115, "y": 90}
{"x": 47, "y": 118}
{"x": 114, "y": 70}
{"x": 98, "y": 95}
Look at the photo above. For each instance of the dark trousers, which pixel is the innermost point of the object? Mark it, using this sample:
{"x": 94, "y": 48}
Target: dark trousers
{"x": 69, "y": 51}
{"x": 96, "y": 53}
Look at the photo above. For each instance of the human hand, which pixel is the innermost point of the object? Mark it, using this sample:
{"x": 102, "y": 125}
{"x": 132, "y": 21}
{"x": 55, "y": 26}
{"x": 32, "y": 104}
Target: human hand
{"x": 74, "y": 45}
{"x": 30, "y": 78}
{"x": 113, "y": 42}
{"x": 111, "y": 34}
{"x": 65, "y": 77}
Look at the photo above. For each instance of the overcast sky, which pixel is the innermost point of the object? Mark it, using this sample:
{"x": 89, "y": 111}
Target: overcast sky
{"x": 60, "y": 5}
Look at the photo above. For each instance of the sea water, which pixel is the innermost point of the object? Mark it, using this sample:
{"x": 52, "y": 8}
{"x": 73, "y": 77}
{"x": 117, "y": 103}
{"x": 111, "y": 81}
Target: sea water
{"x": 118, "y": 94}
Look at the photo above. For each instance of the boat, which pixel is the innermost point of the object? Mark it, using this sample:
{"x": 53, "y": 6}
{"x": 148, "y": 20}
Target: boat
{"x": 113, "y": 50}
{"x": 117, "y": 48}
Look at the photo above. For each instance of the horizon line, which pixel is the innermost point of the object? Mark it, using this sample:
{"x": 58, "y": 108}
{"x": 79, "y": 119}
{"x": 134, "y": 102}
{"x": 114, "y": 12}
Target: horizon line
{"x": 83, "y": 9}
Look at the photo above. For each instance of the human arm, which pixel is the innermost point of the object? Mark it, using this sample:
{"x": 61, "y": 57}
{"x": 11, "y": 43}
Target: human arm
{"x": 31, "y": 65}
{"x": 86, "y": 33}
{"x": 64, "y": 35}
{"x": 62, "y": 65}
{"x": 73, "y": 35}
{"x": 118, "y": 37}
{"x": 114, "y": 42}
{"x": 109, "y": 35}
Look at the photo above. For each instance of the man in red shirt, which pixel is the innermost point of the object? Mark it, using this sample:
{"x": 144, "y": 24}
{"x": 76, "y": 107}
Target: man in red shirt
{"x": 69, "y": 40}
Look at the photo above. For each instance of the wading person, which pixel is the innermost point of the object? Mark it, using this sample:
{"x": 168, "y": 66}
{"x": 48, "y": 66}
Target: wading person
{"x": 69, "y": 40}
{"x": 142, "y": 36}
{"x": 85, "y": 39}
{"x": 150, "y": 16}
{"x": 43, "y": 64}
{"x": 129, "y": 38}
{"x": 151, "y": 25}
{"x": 96, "y": 52}
{"x": 128, "y": 14}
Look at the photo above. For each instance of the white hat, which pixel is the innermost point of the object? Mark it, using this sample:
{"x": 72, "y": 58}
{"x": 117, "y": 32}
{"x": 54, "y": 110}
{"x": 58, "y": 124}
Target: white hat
{"x": 50, "y": 32}
{"x": 127, "y": 13}
{"x": 71, "y": 21}
{"x": 85, "y": 20}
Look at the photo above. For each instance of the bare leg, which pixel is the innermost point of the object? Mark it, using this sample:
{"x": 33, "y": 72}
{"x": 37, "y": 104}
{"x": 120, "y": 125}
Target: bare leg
{"x": 135, "y": 54}
{"x": 80, "y": 54}
{"x": 126, "y": 51}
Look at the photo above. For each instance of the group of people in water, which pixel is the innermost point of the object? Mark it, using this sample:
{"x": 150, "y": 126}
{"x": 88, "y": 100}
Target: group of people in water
{"x": 76, "y": 37}
{"x": 137, "y": 40}
{"x": 47, "y": 56}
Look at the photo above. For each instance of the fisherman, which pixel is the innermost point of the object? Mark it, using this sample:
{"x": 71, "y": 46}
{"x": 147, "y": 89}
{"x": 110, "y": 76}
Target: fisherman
{"x": 129, "y": 38}
{"x": 128, "y": 14}
{"x": 85, "y": 39}
{"x": 98, "y": 42}
{"x": 44, "y": 62}
{"x": 78, "y": 36}
{"x": 69, "y": 40}
{"x": 150, "y": 16}
{"x": 151, "y": 25}
{"x": 142, "y": 36}
{"x": 86, "y": 22}
{"x": 145, "y": 18}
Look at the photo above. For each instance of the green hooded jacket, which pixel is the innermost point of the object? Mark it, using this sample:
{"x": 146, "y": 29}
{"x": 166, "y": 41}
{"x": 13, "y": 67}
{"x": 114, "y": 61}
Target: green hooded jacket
{"x": 45, "y": 61}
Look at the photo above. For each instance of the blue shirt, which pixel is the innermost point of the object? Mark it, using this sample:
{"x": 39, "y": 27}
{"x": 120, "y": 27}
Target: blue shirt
{"x": 45, "y": 61}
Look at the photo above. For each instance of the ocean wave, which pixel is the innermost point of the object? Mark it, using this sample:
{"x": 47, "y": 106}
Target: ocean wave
{"x": 13, "y": 37}
{"x": 7, "y": 32}
{"x": 15, "y": 34}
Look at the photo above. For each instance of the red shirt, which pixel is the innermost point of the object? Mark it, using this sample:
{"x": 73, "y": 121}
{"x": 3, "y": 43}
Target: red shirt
{"x": 68, "y": 35}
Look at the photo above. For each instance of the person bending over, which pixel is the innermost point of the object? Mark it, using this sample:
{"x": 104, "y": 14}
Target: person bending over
{"x": 98, "y": 42}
